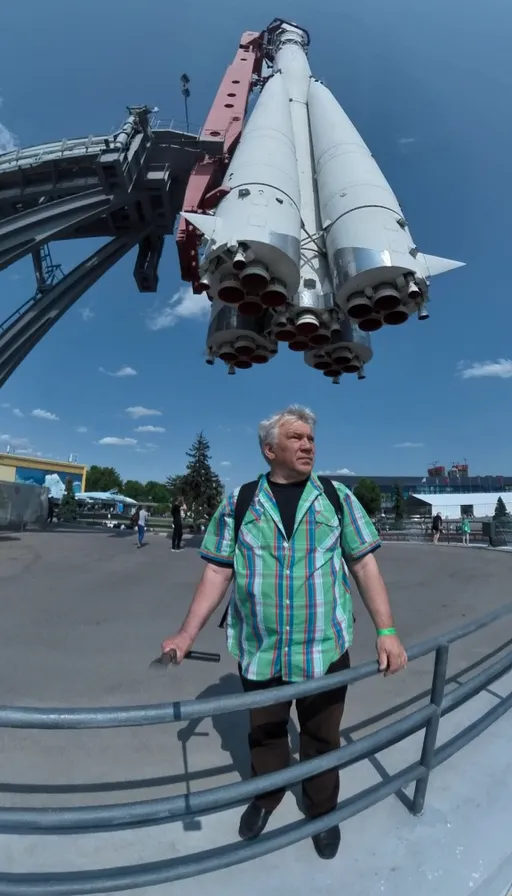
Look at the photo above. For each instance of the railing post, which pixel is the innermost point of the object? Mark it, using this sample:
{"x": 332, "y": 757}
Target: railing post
{"x": 432, "y": 727}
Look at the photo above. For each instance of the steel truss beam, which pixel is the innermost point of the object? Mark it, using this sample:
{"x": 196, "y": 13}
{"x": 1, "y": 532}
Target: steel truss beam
{"x": 21, "y": 333}
{"x": 21, "y": 234}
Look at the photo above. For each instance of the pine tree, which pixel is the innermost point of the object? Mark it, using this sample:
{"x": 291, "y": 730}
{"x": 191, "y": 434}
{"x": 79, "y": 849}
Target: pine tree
{"x": 67, "y": 506}
{"x": 201, "y": 487}
{"x": 500, "y": 511}
{"x": 398, "y": 503}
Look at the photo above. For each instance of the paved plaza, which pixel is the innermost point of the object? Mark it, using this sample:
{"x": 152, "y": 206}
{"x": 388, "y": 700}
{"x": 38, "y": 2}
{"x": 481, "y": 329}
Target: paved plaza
{"x": 83, "y": 615}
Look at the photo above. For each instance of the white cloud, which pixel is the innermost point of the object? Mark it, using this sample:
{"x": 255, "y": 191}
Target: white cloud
{"x": 113, "y": 440}
{"x": 8, "y": 140}
{"x": 184, "y": 305}
{"x": 44, "y": 415}
{"x": 501, "y": 368}
{"x": 17, "y": 412}
{"x": 5, "y": 404}
{"x": 150, "y": 428}
{"x": 87, "y": 313}
{"x": 147, "y": 449}
{"x": 409, "y": 445}
{"x": 81, "y": 429}
{"x": 16, "y": 442}
{"x": 407, "y": 141}
{"x": 139, "y": 411}
{"x": 341, "y": 472}
{"x": 225, "y": 463}
{"x": 123, "y": 371}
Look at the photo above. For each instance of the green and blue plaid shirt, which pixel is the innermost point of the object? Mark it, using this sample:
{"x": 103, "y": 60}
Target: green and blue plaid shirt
{"x": 290, "y": 612}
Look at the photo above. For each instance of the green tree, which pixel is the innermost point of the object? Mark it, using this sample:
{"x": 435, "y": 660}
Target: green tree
{"x": 175, "y": 486}
{"x": 500, "y": 511}
{"x": 134, "y": 489}
{"x": 368, "y": 494}
{"x": 398, "y": 503}
{"x": 201, "y": 487}
{"x": 67, "y": 506}
{"x": 102, "y": 479}
{"x": 156, "y": 492}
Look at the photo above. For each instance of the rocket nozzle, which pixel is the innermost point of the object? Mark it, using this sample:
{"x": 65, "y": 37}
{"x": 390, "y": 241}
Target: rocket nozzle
{"x": 386, "y": 298}
{"x": 255, "y": 278}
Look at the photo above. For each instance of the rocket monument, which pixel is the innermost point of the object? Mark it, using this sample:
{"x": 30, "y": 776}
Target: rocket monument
{"x": 307, "y": 245}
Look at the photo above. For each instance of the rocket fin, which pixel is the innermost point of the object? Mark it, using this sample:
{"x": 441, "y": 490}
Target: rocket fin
{"x": 437, "y": 265}
{"x": 207, "y": 224}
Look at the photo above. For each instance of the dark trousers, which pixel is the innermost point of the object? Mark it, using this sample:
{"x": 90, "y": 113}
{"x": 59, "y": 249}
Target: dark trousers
{"x": 319, "y": 720}
{"x": 177, "y": 535}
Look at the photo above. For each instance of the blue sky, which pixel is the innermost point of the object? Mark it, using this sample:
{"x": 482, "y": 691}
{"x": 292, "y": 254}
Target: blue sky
{"x": 427, "y": 84}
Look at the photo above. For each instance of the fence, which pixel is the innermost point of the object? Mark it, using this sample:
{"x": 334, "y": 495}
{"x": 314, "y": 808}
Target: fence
{"x": 496, "y": 533}
{"x": 22, "y": 504}
{"x": 134, "y": 815}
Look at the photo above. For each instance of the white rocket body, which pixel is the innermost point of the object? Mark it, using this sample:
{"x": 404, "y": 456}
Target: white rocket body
{"x": 368, "y": 241}
{"x": 260, "y": 215}
{"x": 315, "y": 289}
{"x": 309, "y": 245}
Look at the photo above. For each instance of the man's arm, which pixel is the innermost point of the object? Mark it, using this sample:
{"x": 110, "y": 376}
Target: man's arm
{"x": 370, "y": 584}
{"x": 218, "y": 549}
{"x": 209, "y": 594}
{"x": 360, "y": 540}
{"x": 372, "y": 589}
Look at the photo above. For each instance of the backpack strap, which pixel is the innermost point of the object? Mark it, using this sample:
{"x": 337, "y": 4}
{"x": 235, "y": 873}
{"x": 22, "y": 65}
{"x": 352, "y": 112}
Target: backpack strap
{"x": 244, "y": 500}
{"x": 332, "y": 495}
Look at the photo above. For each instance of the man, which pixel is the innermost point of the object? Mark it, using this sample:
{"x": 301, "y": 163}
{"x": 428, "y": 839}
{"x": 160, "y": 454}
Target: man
{"x": 177, "y": 510}
{"x": 142, "y": 516}
{"x": 437, "y": 527}
{"x": 290, "y": 615}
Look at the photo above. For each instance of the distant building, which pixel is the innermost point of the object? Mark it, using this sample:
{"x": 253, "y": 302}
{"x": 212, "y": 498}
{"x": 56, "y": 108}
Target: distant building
{"x": 433, "y": 488}
{"x": 453, "y": 506}
{"x": 53, "y": 474}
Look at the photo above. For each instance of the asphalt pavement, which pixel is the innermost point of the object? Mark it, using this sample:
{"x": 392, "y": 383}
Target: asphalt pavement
{"x": 84, "y": 613}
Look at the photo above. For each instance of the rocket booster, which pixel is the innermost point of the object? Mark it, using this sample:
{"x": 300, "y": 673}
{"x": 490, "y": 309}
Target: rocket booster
{"x": 309, "y": 245}
{"x": 375, "y": 265}
{"x": 254, "y": 236}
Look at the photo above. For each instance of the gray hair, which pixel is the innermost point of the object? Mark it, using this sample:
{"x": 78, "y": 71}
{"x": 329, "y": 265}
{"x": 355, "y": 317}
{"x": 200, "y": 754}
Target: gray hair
{"x": 268, "y": 429}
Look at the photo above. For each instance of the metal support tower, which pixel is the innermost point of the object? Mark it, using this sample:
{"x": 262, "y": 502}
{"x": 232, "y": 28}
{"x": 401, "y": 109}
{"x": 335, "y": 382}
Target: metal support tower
{"x": 127, "y": 187}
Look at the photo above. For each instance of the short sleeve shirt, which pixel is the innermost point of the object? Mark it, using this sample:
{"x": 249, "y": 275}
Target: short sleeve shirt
{"x": 290, "y": 613}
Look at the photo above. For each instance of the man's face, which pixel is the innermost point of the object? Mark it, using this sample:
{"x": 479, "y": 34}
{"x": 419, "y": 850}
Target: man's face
{"x": 294, "y": 450}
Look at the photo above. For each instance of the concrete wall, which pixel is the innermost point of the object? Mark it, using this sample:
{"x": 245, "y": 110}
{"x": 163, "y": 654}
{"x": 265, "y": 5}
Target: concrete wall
{"x": 7, "y": 472}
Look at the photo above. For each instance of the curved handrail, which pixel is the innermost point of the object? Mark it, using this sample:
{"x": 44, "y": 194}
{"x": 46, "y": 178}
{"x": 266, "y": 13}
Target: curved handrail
{"x": 45, "y": 718}
{"x": 132, "y": 815}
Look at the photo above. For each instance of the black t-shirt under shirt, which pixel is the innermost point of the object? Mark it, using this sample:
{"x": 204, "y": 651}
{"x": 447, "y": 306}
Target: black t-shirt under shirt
{"x": 287, "y": 496}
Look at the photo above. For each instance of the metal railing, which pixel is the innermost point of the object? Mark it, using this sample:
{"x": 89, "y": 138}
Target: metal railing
{"x": 89, "y": 819}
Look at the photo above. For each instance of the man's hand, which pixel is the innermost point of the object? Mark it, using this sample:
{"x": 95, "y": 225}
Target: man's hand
{"x": 180, "y": 643}
{"x": 391, "y": 654}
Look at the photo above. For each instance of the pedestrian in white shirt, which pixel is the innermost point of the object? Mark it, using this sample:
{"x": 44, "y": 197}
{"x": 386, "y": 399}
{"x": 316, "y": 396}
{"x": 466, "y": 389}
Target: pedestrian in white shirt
{"x": 141, "y": 525}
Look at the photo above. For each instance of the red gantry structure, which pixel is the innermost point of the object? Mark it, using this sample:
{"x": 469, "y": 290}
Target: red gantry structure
{"x": 287, "y": 222}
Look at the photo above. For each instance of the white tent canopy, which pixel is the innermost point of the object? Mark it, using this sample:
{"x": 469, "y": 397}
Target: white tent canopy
{"x": 450, "y": 506}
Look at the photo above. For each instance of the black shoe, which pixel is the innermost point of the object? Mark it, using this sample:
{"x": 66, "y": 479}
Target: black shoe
{"x": 327, "y": 843}
{"x": 253, "y": 822}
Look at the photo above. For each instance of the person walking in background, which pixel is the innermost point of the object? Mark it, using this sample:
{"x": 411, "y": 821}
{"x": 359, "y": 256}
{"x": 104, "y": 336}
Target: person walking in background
{"x": 288, "y": 542}
{"x": 142, "y": 516}
{"x": 437, "y": 527}
{"x": 466, "y": 529}
{"x": 178, "y": 510}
